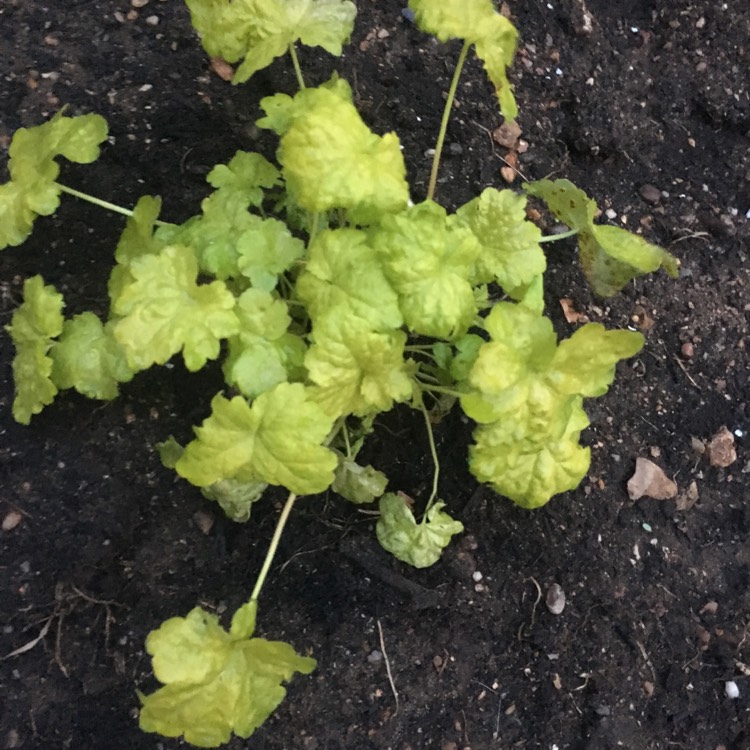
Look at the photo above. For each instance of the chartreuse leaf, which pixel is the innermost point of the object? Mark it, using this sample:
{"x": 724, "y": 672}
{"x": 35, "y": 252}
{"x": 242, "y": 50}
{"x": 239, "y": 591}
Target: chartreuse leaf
{"x": 276, "y": 440}
{"x": 477, "y": 22}
{"x": 331, "y": 159}
{"x": 264, "y": 353}
{"x": 527, "y": 471}
{"x": 510, "y": 252}
{"x": 261, "y": 30}
{"x": 163, "y": 310}
{"x": 265, "y": 250}
{"x": 527, "y": 390}
{"x": 343, "y": 277}
{"x": 356, "y": 370}
{"x": 32, "y": 329}
{"x": 215, "y": 683}
{"x": 33, "y": 170}
{"x": 610, "y": 256}
{"x": 236, "y": 498}
{"x": 358, "y": 484}
{"x": 88, "y": 358}
{"x": 429, "y": 260}
{"x": 419, "y": 544}
{"x": 245, "y": 177}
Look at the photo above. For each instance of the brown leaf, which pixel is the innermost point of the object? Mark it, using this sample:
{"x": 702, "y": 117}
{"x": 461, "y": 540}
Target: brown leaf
{"x": 650, "y": 481}
{"x": 571, "y": 314}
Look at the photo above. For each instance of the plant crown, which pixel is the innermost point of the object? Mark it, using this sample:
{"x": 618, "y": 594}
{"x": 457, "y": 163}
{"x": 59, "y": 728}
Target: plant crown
{"x": 348, "y": 300}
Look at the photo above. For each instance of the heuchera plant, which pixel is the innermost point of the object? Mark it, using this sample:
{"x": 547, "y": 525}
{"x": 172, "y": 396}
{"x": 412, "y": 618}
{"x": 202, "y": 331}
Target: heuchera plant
{"x": 329, "y": 297}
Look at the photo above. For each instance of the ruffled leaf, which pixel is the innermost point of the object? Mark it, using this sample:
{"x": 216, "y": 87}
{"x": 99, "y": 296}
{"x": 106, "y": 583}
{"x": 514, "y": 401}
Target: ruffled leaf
{"x": 276, "y": 440}
{"x": 261, "y": 30}
{"x": 33, "y": 327}
{"x": 418, "y": 544}
{"x": 88, "y": 358}
{"x": 215, "y": 683}
{"x": 429, "y": 260}
{"x": 358, "y": 484}
{"x": 33, "y": 170}
{"x": 163, "y": 310}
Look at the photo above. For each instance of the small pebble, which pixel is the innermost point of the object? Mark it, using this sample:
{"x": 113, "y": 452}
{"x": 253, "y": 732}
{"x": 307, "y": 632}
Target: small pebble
{"x": 477, "y": 576}
{"x": 139, "y": 3}
{"x": 731, "y": 689}
{"x": 650, "y": 194}
{"x": 555, "y": 599}
{"x": 11, "y": 520}
{"x": 687, "y": 350}
{"x": 374, "y": 657}
{"x": 152, "y": 20}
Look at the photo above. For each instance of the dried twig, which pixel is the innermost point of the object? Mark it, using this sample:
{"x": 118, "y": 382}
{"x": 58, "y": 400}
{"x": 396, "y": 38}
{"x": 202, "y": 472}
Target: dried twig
{"x": 388, "y": 666}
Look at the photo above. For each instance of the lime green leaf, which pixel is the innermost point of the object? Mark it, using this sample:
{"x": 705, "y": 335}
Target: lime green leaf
{"x": 331, "y": 159}
{"x": 261, "y": 30}
{"x": 88, "y": 358}
{"x": 585, "y": 363}
{"x": 33, "y": 327}
{"x": 610, "y": 256}
{"x": 276, "y": 440}
{"x": 418, "y": 544}
{"x": 343, "y": 277}
{"x": 245, "y": 176}
{"x": 236, "y": 498}
{"x": 356, "y": 483}
{"x": 215, "y": 682}
{"x": 477, "y": 22}
{"x": 527, "y": 392}
{"x": 356, "y": 370}
{"x": 243, "y": 620}
{"x": 429, "y": 259}
{"x": 163, "y": 310}
{"x": 266, "y": 248}
{"x": 263, "y": 354}
{"x": 33, "y": 170}
{"x": 510, "y": 251}
{"x": 525, "y": 470}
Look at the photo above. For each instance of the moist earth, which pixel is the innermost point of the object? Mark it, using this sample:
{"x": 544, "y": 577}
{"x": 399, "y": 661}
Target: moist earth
{"x": 643, "y": 105}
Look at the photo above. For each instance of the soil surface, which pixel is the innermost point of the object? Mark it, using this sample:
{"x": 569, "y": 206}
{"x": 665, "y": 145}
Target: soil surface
{"x": 646, "y": 107}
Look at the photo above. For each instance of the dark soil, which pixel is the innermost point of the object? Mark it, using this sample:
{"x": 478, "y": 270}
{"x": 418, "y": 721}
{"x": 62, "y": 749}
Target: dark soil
{"x": 658, "y": 599}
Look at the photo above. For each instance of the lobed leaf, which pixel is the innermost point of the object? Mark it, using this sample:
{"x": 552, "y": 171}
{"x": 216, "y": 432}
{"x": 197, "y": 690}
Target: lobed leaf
{"x": 358, "y": 484}
{"x": 418, "y": 544}
{"x": 276, "y": 440}
{"x": 261, "y": 30}
{"x": 215, "y": 683}
{"x": 162, "y": 310}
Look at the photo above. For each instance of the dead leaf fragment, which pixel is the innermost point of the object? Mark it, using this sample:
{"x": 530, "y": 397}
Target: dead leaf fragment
{"x": 721, "y": 450}
{"x": 11, "y": 520}
{"x": 689, "y": 498}
{"x": 650, "y": 481}
{"x": 222, "y": 68}
{"x": 571, "y": 314}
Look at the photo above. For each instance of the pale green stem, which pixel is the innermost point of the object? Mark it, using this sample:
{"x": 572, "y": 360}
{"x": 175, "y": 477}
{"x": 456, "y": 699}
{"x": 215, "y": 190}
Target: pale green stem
{"x": 429, "y": 388}
{"x": 297, "y": 69}
{"x": 345, "y": 433}
{"x": 286, "y": 510}
{"x": 433, "y": 451}
{"x": 561, "y": 236}
{"x": 444, "y": 123}
{"x": 101, "y": 203}
{"x": 313, "y": 229}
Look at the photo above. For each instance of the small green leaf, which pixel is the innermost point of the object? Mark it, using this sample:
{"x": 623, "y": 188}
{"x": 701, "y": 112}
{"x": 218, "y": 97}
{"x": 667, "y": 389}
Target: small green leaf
{"x": 88, "y": 358}
{"x": 418, "y": 544}
{"x": 235, "y": 497}
{"x": 33, "y": 170}
{"x": 245, "y": 177}
{"x": 215, "y": 683}
{"x": 265, "y": 249}
{"x": 510, "y": 251}
{"x": 276, "y": 440}
{"x": 429, "y": 259}
{"x": 610, "y": 256}
{"x": 32, "y": 329}
{"x": 162, "y": 310}
{"x": 358, "y": 484}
